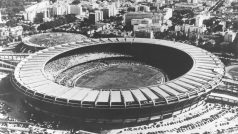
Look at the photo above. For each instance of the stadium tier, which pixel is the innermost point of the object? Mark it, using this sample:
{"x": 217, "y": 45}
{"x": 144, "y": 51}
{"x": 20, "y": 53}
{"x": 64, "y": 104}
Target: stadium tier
{"x": 192, "y": 73}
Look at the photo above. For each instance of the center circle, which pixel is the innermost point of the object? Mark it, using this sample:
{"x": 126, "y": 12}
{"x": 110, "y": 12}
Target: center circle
{"x": 120, "y": 74}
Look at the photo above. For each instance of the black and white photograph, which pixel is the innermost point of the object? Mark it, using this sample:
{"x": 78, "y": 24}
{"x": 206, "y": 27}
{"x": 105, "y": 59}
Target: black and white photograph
{"x": 118, "y": 66}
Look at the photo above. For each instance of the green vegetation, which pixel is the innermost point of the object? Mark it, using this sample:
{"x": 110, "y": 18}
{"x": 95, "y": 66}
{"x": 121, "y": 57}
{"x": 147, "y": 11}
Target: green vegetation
{"x": 61, "y": 20}
{"x": 12, "y": 6}
{"x": 213, "y": 25}
{"x": 179, "y": 15}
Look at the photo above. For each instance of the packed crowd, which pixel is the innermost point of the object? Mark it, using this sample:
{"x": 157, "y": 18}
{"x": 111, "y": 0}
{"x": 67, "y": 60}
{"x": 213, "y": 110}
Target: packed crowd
{"x": 68, "y": 76}
{"x": 54, "y": 68}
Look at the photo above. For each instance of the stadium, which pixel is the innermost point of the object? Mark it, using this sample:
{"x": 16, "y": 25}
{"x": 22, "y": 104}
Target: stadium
{"x": 117, "y": 80}
{"x": 41, "y": 41}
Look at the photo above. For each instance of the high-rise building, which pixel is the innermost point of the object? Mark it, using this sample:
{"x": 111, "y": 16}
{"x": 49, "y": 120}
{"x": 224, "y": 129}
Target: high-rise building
{"x": 106, "y": 13}
{"x": 96, "y": 16}
{"x": 113, "y": 9}
{"x": 92, "y": 17}
{"x": 60, "y": 9}
{"x": 109, "y": 10}
{"x": 31, "y": 13}
{"x": 75, "y": 9}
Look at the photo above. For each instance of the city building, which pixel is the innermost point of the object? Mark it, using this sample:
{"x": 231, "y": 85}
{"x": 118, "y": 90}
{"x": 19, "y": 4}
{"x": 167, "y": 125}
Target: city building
{"x": 13, "y": 32}
{"x": 151, "y": 27}
{"x": 16, "y": 31}
{"x": 48, "y": 14}
{"x": 113, "y": 9}
{"x": 32, "y": 12}
{"x": 109, "y": 10}
{"x": 106, "y": 13}
{"x": 168, "y": 12}
{"x": 157, "y": 18}
{"x": 190, "y": 29}
{"x": 229, "y": 36}
{"x": 136, "y": 15}
{"x": 60, "y": 9}
{"x": 75, "y": 9}
{"x": 141, "y": 21}
{"x": 187, "y": 5}
{"x": 96, "y": 16}
{"x": 4, "y": 33}
{"x": 200, "y": 18}
{"x": 142, "y": 8}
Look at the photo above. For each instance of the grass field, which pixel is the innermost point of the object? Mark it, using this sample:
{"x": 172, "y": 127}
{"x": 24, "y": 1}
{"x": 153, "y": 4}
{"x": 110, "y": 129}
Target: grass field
{"x": 125, "y": 76}
{"x": 52, "y": 39}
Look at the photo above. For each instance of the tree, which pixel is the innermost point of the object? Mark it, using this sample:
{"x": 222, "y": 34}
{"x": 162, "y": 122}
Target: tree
{"x": 12, "y": 23}
{"x": 128, "y": 27}
{"x": 28, "y": 28}
{"x": 122, "y": 11}
{"x": 177, "y": 20}
{"x": 208, "y": 22}
{"x": 57, "y": 22}
{"x": 53, "y": 1}
{"x": 131, "y": 9}
{"x": 70, "y": 18}
{"x": 192, "y": 21}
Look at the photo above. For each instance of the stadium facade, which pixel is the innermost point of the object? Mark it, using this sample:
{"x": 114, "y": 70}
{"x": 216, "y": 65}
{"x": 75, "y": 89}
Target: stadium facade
{"x": 193, "y": 73}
